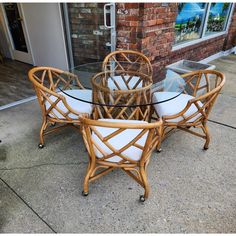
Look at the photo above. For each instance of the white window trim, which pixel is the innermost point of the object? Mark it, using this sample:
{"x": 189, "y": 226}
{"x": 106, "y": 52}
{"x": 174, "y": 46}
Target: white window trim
{"x": 204, "y": 38}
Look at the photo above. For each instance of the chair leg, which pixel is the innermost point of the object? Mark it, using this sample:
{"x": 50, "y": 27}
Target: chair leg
{"x": 41, "y": 134}
{"x": 158, "y": 147}
{"x": 91, "y": 167}
{"x": 206, "y": 132}
{"x": 145, "y": 184}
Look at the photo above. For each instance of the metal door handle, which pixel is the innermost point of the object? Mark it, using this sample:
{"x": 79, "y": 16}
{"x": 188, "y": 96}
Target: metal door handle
{"x": 105, "y": 15}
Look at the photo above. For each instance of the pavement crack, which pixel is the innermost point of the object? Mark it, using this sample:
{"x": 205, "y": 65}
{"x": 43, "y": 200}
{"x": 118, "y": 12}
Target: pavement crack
{"x": 15, "y": 193}
{"x": 223, "y": 124}
{"x": 44, "y": 164}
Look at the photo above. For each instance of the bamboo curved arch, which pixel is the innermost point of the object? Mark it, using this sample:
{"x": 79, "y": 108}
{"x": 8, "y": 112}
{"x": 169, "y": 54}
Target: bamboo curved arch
{"x": 129, "y": 57}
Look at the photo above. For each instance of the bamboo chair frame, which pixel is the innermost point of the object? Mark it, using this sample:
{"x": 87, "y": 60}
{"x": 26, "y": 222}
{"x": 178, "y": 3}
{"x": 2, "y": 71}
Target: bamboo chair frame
{"x": 98, "y": 167}
{"x": 45, "y": 81}
{"x": 205, "y": 86}
{"x": 128, "y": 98}
{"x": 114, "y": 61}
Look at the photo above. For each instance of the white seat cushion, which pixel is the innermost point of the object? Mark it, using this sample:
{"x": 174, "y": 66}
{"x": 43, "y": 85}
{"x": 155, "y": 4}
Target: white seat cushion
{"x": 174, "y": 106}
{"x": 120, "y": 140}
{"x": 119, "y": 80}
{"x": 78, "y": 106}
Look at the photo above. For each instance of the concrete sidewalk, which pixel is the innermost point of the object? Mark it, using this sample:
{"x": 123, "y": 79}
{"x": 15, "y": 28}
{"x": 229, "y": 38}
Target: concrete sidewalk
{"x": 192, "y": 191}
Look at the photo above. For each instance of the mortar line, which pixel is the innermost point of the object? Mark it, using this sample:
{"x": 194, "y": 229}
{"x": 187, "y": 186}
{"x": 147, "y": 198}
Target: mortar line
{"x": 219, "y": 123}
{"x": 27, "y": 204}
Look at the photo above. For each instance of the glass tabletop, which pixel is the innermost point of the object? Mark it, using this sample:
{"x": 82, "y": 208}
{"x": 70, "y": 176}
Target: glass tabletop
{"x": 115, "y": 82}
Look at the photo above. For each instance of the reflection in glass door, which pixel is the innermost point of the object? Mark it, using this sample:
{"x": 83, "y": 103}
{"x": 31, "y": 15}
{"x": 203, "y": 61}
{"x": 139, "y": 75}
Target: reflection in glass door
{"x": 14, "y": 23}
{"x": 92, "y": 31}
{"x": 15, "y": 27}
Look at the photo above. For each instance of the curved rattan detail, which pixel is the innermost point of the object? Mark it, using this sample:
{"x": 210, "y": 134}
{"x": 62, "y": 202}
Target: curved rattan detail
{"x": 137, "y": 169}
{"x": 128, "y": 60}
{"x": 122, "y": 103}
{"x": 46, "y": 81}
{"x": 204, "y": 86}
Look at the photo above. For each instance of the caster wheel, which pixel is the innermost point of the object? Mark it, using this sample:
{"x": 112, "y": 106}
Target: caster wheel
{"x": 205, "y": 148}
{"x": 85, "y": 194}
{"x": 41, "y": 146}
{"x": 142, "y": 198}
{"x": 159, "y": 150}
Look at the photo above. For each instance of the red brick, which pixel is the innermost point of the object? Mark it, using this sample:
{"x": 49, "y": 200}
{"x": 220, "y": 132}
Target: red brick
{"x": 156, "y": 34}
{"x": 131, "y": 5}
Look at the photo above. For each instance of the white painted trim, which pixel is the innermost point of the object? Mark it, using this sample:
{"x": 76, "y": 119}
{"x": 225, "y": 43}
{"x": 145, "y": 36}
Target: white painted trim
{"x": 230, "y": 16}
{"x": 27, "y": 34}
{"x": 218, "y": 55}
{"x": 17, "y": 103}
{"x": 6, "y": 31}
{"x": 15, "y": 54}
{"x": 63, "y": 35}
{"x": 68, "y": 34}
{"x": 205, "y": 18}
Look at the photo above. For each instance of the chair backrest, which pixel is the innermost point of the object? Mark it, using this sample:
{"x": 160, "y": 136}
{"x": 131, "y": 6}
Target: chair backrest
{"x": 121, "y": 102}
{"x": 128, "y": 60}
{"x": 203, "y": 81}
{"x": 120, "y": 141}
{"x": 204, "y": 86}
{"x": 46, "y": 81}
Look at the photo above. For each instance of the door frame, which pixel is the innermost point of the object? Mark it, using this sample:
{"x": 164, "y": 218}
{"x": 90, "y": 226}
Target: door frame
{"x": 15, "y": 54}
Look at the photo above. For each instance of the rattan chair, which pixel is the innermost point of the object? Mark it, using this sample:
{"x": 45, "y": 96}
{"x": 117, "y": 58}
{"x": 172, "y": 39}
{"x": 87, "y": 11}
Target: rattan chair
{"x": 126, "y": 60}
{"x": 192, "y": 108}
{"x": 125, "y": 144}
{"x": 56, "y": 106}
{"x": 124, "y": 99}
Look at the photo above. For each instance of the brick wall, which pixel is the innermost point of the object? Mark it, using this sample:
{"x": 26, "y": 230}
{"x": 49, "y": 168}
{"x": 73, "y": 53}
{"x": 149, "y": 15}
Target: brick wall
{"x": 88, "y": 32}
{"x": 145, "y": 27}
{"x": 129, "y": 25}
{"x": 149, "y": 28}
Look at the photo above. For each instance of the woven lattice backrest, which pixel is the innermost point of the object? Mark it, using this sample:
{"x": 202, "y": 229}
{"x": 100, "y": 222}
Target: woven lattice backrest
{"x": 46, "y": 81}
{"x": 202, "y": 82}
{"x": 204, "y": 86}
{"x": 128, "y": 60}
{"x": 120, "y": 141}
{"x": 51, "y": 78}
{"x": 121, "y": 100}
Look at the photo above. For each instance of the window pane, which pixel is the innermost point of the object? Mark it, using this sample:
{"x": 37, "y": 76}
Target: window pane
{"x": 189, "y": 22}
{"x": 217, "y": 17}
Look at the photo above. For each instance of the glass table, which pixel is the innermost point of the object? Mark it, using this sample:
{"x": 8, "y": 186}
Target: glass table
{"x": 122, "y": 94}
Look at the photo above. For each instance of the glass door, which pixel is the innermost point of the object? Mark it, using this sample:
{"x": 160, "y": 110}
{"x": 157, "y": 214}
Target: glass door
{"x": 16, "y": 31}
{"x": 91, "y": 32}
